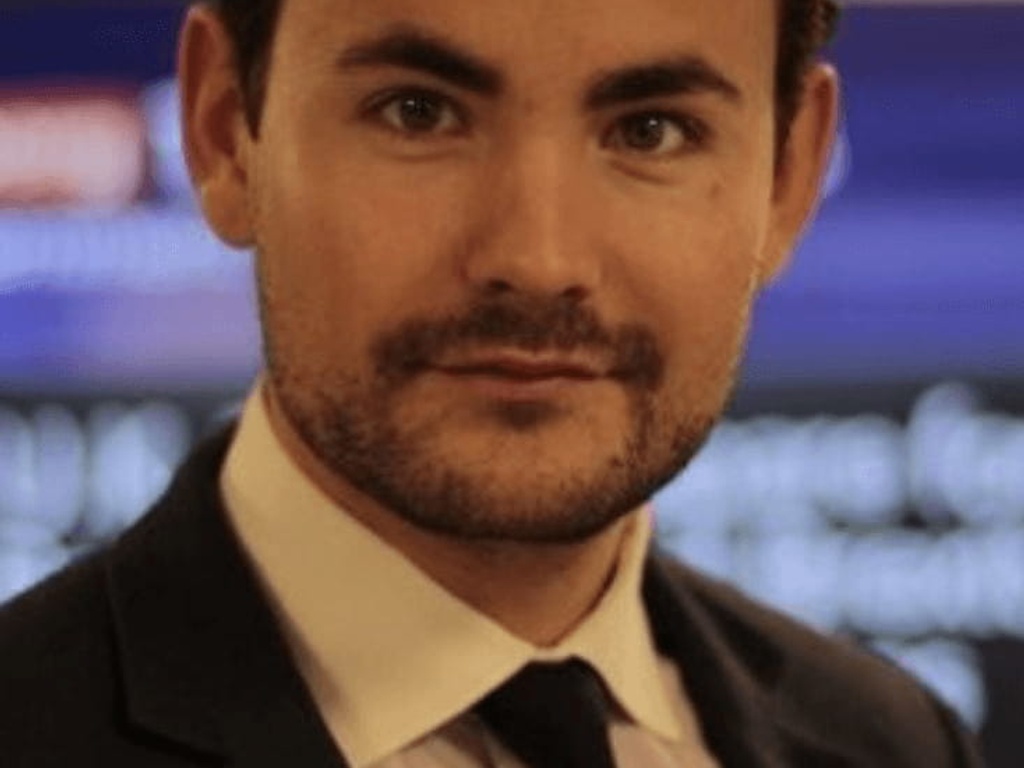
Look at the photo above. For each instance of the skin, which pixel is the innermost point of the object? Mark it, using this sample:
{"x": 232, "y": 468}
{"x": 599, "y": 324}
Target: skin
{"x": 369, "y": 219}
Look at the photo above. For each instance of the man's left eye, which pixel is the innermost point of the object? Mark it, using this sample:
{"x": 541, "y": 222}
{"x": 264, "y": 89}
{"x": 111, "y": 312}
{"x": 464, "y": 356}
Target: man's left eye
{"x": 418, "y": 113}
{"x": 655, "y": 133}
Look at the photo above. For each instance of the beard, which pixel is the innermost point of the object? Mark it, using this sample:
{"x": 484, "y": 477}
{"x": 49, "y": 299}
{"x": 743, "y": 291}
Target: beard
{"x": 356, "y": 427}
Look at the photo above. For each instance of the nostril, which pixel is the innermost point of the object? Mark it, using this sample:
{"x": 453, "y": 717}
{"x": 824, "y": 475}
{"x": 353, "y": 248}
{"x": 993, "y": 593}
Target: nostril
{"x": 498, "y": 287}
{"x": 574, "y": 293}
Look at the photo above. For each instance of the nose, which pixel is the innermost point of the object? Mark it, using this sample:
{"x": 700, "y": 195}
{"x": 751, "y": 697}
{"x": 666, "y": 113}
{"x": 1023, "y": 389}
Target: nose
{"x": 531, "y": 223}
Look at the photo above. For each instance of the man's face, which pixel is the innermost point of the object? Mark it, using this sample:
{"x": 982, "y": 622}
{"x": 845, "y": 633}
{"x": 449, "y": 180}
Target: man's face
{"x": 507, "y": 251}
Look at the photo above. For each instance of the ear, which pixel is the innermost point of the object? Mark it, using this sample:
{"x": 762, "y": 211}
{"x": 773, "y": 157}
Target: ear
{"x": 801, "y": 168}
{"x": 215, "y": 138}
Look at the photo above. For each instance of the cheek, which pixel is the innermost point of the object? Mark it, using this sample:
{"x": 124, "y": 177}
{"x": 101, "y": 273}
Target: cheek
{"x": 696, "y": 265}
{"x": 344, "y": 262}
{"x": 353, "y": 249}
{"x": 691, "y": 269}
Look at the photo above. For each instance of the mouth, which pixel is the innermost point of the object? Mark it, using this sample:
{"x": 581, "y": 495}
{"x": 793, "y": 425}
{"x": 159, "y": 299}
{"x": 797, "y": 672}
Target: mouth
{"x": 523, "y": 367}
{"x": 515, "y": 376}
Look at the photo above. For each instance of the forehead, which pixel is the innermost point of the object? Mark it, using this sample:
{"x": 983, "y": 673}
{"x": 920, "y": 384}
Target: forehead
{"x": 546, "y": 40}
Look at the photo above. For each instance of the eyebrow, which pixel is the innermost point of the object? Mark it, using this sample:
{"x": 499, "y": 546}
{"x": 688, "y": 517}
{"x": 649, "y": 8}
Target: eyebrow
{"x": 663, "y": 77}
{"x": 410, "y": 48}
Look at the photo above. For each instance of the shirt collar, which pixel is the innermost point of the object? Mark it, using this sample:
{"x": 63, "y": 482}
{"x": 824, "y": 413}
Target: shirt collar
{"x": 390, "y": 655}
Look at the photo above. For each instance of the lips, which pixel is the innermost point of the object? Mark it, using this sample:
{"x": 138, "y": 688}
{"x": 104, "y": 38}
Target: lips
{"x": 523, "y": 367}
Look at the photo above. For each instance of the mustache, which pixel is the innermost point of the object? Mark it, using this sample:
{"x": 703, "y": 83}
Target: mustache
{"x": 528, "y": 324}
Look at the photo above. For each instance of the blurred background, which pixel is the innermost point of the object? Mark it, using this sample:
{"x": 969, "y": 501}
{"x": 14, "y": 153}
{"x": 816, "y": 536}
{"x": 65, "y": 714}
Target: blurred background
{"x": 869, "y": 477}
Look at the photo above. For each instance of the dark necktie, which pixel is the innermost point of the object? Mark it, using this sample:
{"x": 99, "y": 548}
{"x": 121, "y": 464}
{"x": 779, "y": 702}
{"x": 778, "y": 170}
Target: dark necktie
{"x": 551, "y": 716}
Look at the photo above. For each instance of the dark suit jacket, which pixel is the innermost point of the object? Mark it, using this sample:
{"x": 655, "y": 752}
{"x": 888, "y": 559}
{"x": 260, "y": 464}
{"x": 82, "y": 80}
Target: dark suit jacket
{"x": 160, "y": 651}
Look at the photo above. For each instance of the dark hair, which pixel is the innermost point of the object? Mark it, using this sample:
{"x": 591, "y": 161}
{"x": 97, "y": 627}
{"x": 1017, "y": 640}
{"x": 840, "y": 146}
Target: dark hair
{"x": 805, "y": 26}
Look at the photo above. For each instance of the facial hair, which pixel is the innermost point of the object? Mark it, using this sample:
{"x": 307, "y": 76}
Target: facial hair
{"x": 352, "y": 424}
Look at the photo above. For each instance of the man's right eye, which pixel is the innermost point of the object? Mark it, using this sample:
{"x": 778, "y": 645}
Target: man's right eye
{"x": 417, "y": 113}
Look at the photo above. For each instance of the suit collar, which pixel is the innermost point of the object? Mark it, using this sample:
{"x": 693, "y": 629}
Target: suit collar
{"x": 203, "y": 665}
{"x": 733, "y": 673}
{"x": 205, "y": 668}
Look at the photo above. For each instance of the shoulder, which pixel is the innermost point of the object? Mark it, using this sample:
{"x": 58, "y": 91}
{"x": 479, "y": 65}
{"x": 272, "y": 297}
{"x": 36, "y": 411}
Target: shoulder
{"x": 56, "y": 662}
{"x": 65, "y": 613}
{"x": 828, "y": 687}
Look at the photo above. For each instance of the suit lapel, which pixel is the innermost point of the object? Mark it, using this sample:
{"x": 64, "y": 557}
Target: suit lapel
{"x": 733, "y": 675}
{"x": 203, "y": 665}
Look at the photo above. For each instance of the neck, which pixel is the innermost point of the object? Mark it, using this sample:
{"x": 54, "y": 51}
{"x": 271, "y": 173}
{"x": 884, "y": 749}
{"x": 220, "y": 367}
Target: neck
{"x": 537, "y": 591}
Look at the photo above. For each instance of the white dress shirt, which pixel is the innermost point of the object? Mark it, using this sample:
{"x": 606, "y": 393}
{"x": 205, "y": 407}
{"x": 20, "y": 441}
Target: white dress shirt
{"x": 394, "y": 661}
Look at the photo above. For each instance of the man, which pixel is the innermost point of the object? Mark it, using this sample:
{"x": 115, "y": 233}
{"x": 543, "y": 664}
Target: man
{"x": 506, "y": 254}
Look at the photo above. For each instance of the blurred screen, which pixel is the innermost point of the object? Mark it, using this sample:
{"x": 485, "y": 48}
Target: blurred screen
{"x": 869, "y": 477}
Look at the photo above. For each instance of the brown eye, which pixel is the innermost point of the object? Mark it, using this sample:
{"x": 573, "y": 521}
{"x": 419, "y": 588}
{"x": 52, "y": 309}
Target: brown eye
{"x": 415, "y": 112}
{"x": 654, "y": 133}
{"x": 645, "y": 133}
